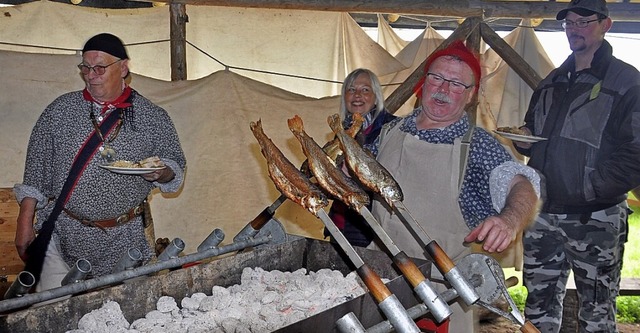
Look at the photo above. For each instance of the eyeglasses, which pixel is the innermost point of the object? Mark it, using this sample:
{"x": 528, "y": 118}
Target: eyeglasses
{"x": 577, "y": 24}
{"x": 454, "y": 86}
{"x": 98, "y": 69}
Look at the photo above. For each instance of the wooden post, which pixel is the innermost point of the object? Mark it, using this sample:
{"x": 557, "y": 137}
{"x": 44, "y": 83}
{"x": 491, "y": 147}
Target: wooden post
{"x": 178, "y": 36}
{"x": 473, "y": 44}
{"x": 510, "y": 56}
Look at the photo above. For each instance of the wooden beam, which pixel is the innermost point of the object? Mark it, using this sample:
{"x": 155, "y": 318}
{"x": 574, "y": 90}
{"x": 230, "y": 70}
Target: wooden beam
{"x": 443, "y": 8}
{"x": 404, "y": 91}
{"x": 178, "y": 44}
{"x": 473, "y": 44}
{"x": 510, "y": 56}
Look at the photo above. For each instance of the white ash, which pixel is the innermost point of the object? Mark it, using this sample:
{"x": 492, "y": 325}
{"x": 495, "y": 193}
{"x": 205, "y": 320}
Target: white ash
{"x": 262, "y": 302}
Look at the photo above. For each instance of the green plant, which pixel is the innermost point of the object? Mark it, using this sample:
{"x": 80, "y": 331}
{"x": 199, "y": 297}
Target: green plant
{"x": 628, "y": 309}
{"x": 519, "y": 296}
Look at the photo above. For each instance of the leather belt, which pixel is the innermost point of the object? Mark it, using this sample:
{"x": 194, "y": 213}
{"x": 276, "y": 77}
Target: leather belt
{"x": 109, "y": 223}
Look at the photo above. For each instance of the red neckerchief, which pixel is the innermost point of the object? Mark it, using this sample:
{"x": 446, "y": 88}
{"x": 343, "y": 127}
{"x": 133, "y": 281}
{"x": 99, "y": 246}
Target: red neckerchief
{"x": 118, "y": 103}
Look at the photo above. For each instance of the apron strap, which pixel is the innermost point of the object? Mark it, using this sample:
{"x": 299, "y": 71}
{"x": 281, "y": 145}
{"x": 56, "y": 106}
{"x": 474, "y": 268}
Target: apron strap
{"x": 464, "y": 154}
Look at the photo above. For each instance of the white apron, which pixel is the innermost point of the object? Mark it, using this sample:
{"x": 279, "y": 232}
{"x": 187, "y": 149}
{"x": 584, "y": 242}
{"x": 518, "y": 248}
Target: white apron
{"x": 428, "y": 175}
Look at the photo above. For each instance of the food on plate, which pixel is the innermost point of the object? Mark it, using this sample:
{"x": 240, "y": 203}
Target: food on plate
{"x": 124, "y": 164}
{"x": 149, "y": 162}
{"x": 511, "y": 130}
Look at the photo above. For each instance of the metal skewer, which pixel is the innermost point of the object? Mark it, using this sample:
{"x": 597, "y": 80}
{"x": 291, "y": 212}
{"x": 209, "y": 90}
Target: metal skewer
{"x": 431, "y": 298}
{"x": 387, "y": 301}
{"x": 444, "y": 264}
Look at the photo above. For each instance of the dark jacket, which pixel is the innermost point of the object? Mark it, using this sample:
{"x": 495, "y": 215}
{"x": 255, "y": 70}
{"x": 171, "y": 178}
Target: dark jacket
{"x": 592, "y": 121}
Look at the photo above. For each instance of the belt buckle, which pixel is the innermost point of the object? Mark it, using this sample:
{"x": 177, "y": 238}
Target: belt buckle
{"x": 122, "y": 219}
{"x": 138, "y": 210}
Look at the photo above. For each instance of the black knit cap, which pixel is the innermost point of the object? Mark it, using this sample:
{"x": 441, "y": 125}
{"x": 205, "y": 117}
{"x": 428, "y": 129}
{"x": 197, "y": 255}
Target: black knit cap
{"x": 107, "y": 43}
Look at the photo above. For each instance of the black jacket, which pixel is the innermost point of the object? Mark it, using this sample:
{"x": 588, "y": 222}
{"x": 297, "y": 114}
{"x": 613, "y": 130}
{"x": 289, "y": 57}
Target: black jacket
{"x": 592, "y": 121}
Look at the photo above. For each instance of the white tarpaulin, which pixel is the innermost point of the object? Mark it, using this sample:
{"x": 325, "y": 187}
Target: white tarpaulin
{"x": 226, "y": 184}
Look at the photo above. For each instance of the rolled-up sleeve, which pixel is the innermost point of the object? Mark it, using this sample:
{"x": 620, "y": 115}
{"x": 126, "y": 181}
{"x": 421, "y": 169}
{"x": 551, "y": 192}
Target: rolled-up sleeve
{"x": 501, "y": 177}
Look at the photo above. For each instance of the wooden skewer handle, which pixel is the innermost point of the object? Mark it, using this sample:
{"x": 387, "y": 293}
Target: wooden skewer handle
{"x": 511, "y": 281}
{"x": 440, "y": 258}
{"x": 259, "y": 221}
{"x": 409, "y": 269}
{"x": 528, "y": 328}
{"x": 372, "y": 280}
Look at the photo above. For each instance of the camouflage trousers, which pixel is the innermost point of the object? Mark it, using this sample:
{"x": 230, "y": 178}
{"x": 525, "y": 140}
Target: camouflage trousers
{"x": 590, "y": 245}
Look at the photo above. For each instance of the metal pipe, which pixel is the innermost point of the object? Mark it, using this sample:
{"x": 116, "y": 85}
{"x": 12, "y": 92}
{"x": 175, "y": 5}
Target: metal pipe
{"x": 106, "y": 280}
{"x": 131, "y": 259}
{"x": 349, "y": 323}
{"x": 417, "y": 311}
{"x": 414, "y": 312}
{"x": 78, "y": 273}
{"x": 423, "y": 288}
{"x": 24, "y": 281}
{"x": 213, "y": 240}
{"x": 441, "y": 259}
{"x": 173, "y": 250}
{"x": 387, "y": 302}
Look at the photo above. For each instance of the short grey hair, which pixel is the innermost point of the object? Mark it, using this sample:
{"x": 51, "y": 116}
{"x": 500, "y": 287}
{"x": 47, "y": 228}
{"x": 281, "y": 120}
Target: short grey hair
{"x": 375, "y": 85}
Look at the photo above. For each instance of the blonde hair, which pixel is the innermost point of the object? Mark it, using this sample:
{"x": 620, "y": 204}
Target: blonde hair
{"x": 375, "y": 85}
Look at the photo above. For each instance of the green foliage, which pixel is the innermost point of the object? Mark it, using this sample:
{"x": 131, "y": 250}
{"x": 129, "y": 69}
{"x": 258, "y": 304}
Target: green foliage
{"x": 631, "y": 260}
{"x": 628, "y": 309}
{"x": 519, "y": 296}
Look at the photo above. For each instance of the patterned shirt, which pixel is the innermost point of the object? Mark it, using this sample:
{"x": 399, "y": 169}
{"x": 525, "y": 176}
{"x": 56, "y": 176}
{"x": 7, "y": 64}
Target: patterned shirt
{"x": 490, "y": 167}
{"x": 98, "y": 194}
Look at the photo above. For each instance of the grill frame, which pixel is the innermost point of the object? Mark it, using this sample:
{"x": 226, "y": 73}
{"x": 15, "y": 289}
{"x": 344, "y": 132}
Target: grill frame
{"x": 138, "y": 296}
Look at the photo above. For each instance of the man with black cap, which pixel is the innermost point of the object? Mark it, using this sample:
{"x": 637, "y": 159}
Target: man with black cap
{"x": 589, "y": 112}
{"x": 85, "y": 206}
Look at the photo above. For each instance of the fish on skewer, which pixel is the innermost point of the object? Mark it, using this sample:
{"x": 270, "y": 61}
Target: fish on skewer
{"x": 330, "y": 178}
{"x": 365, "y": 167}
{"x": 288, "y": 179}
{"x": 333, "y": 149}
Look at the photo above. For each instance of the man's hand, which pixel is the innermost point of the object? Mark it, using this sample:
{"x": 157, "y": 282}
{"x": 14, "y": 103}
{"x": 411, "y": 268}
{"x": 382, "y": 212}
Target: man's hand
{"x": 495, "y": 232}
{"x": 521, "y": 206}
{"x": 162, "y": 176}
{"x": 524, "y": 145}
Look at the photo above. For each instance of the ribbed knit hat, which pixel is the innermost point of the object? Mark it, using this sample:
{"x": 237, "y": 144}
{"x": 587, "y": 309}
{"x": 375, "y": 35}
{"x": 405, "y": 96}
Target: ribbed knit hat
{"x": 107, "y": 43}
{"x": 460, "y": 51}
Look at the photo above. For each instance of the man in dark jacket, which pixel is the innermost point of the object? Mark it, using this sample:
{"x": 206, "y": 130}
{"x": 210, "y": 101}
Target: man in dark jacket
{"x": 589, "y": 113}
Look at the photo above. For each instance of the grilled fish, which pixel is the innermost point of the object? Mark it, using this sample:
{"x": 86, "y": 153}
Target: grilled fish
{"x": 330, "y": 178}
{"x": 287, "y": 178}
{"x": 332, "y": 148}
{"x": 365, "y": 167}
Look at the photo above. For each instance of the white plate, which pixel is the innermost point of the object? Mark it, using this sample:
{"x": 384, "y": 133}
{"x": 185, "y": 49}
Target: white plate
{"x": 131, "y": 171}
{"x": 521, "y": 138}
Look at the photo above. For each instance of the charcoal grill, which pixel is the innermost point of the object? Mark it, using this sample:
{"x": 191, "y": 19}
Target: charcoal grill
{"x": 138, "y": 296}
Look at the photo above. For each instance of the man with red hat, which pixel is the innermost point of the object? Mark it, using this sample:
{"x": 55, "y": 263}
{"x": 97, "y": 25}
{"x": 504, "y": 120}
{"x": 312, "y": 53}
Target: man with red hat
{"x": 81, "y": 209}
{"x": 588, "y": 111}
{"x": 481, "y": 196}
